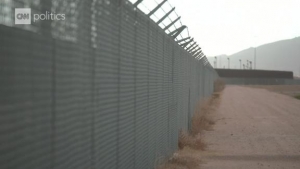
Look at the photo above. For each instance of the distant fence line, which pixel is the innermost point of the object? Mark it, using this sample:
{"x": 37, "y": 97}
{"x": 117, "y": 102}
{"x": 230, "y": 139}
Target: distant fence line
{"x": 252, "y": 74}
{"x": 260, "y": 81}
{"x": 112, "y": 93}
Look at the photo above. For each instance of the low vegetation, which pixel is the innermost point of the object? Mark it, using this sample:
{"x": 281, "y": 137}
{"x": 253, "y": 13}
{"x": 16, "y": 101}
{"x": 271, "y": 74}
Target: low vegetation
{"x": 190, "y": 143}
{"x": 219, "y": 85}
{"x": 297, "y": 97}
{"x": 183, "y": 159}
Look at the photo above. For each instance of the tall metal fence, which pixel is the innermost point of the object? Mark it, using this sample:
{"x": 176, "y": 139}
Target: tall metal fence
{"x": 106, "y": 89}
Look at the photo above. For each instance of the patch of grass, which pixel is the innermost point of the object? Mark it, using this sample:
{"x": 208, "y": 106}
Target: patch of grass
{"x": 193, "y": 141}
{"x": 203, "y": 119}
{"x": 297, "y": 97}
{"x": 182, "y": 160}
{"x": 219, "y": 85}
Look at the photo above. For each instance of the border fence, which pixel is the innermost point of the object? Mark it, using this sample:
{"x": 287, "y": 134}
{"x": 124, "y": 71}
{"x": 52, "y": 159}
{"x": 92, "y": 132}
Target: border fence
{"x": 107, "y": 88}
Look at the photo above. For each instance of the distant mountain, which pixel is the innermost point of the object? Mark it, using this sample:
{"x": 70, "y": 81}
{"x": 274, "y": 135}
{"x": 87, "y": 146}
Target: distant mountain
{"x": 280, "y": 55}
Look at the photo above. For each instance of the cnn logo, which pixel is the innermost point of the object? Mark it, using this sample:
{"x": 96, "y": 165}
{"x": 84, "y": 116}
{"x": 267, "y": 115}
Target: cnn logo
{"x": 23, "y": 16}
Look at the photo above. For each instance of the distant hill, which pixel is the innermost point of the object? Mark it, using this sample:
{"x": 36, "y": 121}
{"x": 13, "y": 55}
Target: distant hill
{"x": 281, "y": 55}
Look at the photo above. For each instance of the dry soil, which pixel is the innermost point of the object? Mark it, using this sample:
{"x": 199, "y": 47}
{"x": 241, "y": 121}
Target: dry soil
{"x": 291, "y": 90}
{"x": 254, "y": 129}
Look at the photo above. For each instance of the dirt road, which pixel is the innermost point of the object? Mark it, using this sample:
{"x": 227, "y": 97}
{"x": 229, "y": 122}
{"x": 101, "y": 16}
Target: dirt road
{"x": 291, "y": 90}
{"x": 254, "y": 129}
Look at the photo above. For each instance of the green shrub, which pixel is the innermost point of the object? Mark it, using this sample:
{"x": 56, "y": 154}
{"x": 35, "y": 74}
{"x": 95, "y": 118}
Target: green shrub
{"x": 297, "y": 97}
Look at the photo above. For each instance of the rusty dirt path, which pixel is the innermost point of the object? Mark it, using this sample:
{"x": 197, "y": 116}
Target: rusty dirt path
{"x": 254, "y": 129}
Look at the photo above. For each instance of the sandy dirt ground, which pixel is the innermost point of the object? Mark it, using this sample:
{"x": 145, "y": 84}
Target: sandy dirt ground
{"x": 254, "y": 129}
{"x": 291, "y": 90}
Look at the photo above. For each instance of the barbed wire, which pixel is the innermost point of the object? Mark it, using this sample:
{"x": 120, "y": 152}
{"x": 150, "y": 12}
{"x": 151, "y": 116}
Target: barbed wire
{"x": 192, "y": 46}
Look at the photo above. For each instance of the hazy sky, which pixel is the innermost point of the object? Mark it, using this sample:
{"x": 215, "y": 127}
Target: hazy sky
{"x": 228, "y": 26}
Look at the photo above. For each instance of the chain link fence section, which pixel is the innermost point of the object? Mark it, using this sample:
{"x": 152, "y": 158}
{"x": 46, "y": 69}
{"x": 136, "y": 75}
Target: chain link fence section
{"x": 112, "y": 92}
